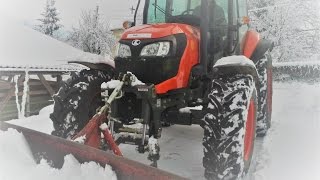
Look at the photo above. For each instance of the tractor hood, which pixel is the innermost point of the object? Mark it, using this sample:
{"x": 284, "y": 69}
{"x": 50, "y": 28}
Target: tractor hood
{"x": 153, "y": 31}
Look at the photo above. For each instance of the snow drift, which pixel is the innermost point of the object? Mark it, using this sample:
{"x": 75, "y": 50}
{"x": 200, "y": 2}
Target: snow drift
{"x": 17, "y": 163}
{"x": 16, "y": 157}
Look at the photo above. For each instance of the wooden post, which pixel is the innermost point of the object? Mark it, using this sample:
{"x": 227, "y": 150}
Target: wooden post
{"x": 10, "y": 93}
{"x": 59, "y": 82}
{"x": 27, "y": 112}
{"x": 46, "y": 84}
{"x": 7, "y": 98}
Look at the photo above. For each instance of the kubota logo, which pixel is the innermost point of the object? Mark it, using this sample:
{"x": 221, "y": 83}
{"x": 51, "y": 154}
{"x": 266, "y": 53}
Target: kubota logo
{"x": 136, "y": 42}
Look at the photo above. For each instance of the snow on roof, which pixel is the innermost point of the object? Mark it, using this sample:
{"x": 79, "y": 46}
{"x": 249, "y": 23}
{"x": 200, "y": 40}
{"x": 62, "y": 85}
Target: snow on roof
{"x": 23, "y": 47}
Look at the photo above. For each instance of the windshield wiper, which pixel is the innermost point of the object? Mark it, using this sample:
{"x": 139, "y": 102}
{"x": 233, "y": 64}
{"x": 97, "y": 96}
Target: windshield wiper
{"x": 160, "y": 9}
{"x": 156, "y": 6}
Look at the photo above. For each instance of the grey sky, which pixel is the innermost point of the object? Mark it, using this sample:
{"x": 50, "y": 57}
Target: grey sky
{"x": 114, "y": 11}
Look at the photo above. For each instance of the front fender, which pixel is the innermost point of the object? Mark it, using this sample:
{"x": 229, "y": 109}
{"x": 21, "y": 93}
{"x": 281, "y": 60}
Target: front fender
{"x": 232, "y": 65}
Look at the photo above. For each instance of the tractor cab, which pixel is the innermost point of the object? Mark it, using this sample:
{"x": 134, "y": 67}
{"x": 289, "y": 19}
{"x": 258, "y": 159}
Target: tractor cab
{"x": 185, "y": 12}
{"x": 178, "y": 36}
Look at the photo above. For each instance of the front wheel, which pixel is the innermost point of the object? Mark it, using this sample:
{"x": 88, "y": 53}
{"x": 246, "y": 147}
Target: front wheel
{"x": 229, "y": 127}
{"x": 77, "y": 101}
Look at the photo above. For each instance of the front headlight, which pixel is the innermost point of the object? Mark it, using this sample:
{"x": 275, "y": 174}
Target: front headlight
{"x": 123, "y": 51}
{"x": 156, "y": 49}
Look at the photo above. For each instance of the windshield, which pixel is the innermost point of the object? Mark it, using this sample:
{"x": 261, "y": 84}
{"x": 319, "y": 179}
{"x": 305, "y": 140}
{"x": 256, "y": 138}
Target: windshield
{"x": 160, "y": 10}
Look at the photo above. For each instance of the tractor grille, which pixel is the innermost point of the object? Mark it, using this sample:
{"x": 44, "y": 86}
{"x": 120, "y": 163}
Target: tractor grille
{"x": 153, "y": 70}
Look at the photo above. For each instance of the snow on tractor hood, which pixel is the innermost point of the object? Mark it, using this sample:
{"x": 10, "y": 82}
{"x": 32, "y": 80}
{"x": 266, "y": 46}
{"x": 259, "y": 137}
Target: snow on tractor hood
{"x": 153, "y": 31}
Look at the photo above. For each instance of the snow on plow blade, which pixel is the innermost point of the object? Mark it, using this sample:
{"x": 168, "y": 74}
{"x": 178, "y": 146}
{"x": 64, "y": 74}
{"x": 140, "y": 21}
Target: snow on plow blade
{"x": 54, "y": 149}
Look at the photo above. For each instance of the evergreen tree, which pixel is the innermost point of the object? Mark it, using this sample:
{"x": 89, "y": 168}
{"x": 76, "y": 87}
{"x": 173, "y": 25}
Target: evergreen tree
{"x": 93, "y": 35}
{"x": 49, "y": 22}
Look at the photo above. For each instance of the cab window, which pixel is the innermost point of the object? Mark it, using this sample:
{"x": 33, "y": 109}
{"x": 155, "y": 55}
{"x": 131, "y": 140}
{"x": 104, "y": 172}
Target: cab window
{"x": 224, "y": 5}
{"x": 156, "y": 11}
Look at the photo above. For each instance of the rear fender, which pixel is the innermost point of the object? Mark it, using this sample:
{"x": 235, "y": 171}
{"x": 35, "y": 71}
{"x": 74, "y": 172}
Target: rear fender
{"x": 250, "y": 43}
{"x": 253, "y": 47}
{"x": 262, "y": 47}
{"x": 107, "y": 67}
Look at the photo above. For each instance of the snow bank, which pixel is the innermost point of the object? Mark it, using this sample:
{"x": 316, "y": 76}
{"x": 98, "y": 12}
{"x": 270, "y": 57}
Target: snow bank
{"x": 41, "y": 122}
{"x": 17, "y": 163}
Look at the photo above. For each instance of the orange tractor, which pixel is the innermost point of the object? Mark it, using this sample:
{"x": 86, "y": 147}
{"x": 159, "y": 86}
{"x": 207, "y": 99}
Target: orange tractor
{"x": 190, "y": 62}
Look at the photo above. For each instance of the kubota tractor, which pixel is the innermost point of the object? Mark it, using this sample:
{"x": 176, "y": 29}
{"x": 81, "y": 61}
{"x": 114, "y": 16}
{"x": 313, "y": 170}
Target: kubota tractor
{"x": 190, "y": 62}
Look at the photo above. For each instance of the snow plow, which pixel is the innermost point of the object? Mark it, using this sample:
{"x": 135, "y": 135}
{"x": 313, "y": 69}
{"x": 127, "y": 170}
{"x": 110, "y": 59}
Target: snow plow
{"x": 191, "y": 62}
{"x": 55, "y": 149}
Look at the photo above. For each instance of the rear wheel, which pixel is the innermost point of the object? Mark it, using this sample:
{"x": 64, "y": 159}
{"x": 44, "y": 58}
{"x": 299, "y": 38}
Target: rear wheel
{"x": 264, "y": 68}
{"x": 229, "y": 127}
{"x": 77, "y": 101}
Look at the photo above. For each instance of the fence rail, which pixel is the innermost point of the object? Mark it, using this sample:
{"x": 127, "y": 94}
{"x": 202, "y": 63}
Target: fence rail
{"x": 41, "y": 87}
{"x": 299, "y": 71}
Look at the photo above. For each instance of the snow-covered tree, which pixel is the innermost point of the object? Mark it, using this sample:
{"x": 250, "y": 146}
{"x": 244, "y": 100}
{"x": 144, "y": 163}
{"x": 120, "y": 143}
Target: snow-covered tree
{"x": 294, "y": 27}
{"x": 93, "y": 35}
{"x": 49, "y": 22}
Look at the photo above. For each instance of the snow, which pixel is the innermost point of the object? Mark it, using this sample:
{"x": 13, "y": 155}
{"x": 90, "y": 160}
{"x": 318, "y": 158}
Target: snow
{"x": 291, "y": 150}
{"x": 103, "y": 126}
{"x": 153, "y": 145}
{"x": 234, "y": 60}
{"x": 17, "y": 163}
{"x": 83, "y": 85}
{"x": 15, "y": 156}
{"x": 81, "y": 139}
{"x": 41, "y": 122}
{"x": 112, "y": 84}
{"x": 16, "y": 93}
{"x": 22, "y": 47}
{"x": 134, "y": 80}
{"x": 188, "y": 109}
{"x": 25, "y": 94}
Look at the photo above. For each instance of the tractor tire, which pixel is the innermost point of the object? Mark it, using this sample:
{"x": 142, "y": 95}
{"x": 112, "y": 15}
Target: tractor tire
{"x": 77, "y": 101}
{"x": 229, "y": 127}
{"x": 264, "y": 68}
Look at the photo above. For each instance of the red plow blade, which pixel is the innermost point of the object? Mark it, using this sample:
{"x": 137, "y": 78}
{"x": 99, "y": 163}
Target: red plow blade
{"x": 55, "y": 148}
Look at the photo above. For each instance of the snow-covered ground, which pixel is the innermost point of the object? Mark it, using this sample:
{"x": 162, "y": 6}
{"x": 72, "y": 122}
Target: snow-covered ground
{"x": 291, "y": 150}
{"x": 16, "y": 157}
{"x": 17, "y": 163}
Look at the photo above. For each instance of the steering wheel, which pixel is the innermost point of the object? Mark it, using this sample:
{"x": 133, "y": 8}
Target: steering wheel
{"x": 186, "y": 11}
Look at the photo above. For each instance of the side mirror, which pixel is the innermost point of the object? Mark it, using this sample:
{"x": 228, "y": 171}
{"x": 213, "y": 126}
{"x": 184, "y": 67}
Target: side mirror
{"x": 127, "y": 24}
